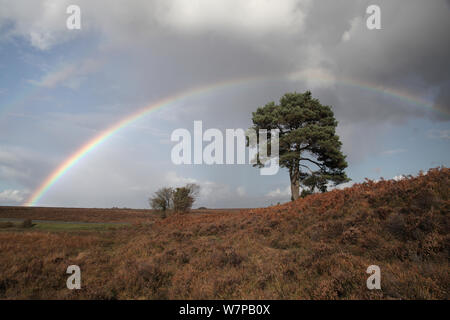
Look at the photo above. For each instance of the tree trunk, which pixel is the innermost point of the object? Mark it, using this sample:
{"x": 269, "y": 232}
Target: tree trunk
{"x": 294, "y": 175}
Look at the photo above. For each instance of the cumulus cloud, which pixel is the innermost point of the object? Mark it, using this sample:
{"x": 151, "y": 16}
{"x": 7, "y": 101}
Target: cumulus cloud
{"x": 9, "y": 196}
{"x": 252, "y": 17}
{"x": 342, "y": 185}
{"x": 211, "y": 193}
{"x": 175, "y": 180}
{"x": 280, "y": 193}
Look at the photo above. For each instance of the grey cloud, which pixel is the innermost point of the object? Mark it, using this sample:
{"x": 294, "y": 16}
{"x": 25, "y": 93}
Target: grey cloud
{"x": 173, "y": 45}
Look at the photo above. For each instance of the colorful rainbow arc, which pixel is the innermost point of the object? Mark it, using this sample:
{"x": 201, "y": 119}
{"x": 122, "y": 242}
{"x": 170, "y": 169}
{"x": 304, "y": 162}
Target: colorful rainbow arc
{"x": 104, "y": 135}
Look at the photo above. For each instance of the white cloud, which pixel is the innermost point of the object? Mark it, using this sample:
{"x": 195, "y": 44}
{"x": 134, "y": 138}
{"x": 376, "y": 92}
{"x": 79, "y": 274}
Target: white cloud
{"x": 210, "y": 192}
{"x": 8, "y": 196}
{"x": 280, "y": 193}
{"x": 283, "y": 194}
{"x": 254, "y": 17}
{"x": 343, "y": 185}
{"x": 175, "y": 180}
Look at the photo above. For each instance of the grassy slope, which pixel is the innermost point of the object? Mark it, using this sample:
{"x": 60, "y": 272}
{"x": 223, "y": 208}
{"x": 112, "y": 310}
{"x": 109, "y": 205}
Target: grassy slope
{"x": 317, "y": 247}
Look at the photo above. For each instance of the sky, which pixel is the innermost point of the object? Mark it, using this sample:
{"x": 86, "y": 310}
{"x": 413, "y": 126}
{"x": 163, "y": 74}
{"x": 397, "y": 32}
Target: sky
{"x": 60, "y": 88}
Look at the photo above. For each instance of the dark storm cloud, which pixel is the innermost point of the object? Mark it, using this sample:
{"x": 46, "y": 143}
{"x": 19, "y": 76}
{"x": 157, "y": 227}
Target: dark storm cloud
{"x": 171, "y": 45}
{"x": 410, "y": 52}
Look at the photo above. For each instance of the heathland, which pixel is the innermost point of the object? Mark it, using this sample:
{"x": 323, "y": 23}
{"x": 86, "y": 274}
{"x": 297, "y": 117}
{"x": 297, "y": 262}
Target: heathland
{"x": 317, "y": 247}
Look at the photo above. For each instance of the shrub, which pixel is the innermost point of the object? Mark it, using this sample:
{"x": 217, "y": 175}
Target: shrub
{"x": 6, "y": 224}
{"x": 180, "y": 199}
{"x": 222, "y": 257}
{"x": 396, "y": 225}
{"x": 153, "y": 275}
{"x": 184, "y": 197}
{"x": 27, "y": 223}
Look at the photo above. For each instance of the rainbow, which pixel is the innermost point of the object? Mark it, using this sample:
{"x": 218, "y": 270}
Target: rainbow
{"x": 106, "y": 134}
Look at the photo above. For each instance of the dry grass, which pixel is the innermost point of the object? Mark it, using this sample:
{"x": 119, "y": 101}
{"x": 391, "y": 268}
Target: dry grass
{"x": 315, "y": 248}
{"x": 81, "y": 215}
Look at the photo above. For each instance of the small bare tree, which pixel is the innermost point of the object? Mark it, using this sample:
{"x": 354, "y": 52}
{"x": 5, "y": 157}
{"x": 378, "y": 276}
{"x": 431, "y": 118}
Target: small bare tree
{"x": 162, "y": 199}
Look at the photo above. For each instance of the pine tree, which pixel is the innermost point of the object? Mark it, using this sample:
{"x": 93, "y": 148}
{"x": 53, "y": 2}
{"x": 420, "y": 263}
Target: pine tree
{"x": 309, "y": 146}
